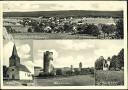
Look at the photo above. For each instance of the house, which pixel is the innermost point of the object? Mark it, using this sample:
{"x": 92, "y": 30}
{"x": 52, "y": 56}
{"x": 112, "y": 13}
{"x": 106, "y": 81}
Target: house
{"x": 17, "y": 71}
{"x": 37, "y": 70}
{"x": 106, "y": 64}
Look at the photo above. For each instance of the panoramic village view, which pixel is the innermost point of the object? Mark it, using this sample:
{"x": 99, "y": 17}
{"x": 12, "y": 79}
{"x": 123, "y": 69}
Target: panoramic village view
{"x": 60, "y": 26}
{"x": 63, "y": 44}
{"x": 62, "y": 23}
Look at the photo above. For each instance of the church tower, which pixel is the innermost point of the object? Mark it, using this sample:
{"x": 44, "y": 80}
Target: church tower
{"x": 14, "y": 60}
{"x": 80, "y": 66}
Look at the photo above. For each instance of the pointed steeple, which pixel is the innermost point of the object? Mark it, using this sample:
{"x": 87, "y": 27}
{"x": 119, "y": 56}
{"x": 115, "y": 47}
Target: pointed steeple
{"x": 14, "y": 60}
{"x": 14, "y": 52}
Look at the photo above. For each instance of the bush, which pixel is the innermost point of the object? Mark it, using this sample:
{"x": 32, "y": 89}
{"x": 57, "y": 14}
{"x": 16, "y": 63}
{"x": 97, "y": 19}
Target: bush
{"x": 46, "y": 74}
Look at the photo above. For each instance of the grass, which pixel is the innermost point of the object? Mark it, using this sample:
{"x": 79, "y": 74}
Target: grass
{"x": 39, "y": 36}
{"x": 79, "y": 80}
{"x": 109, "y": 78}
{"x": 18, "y": 83}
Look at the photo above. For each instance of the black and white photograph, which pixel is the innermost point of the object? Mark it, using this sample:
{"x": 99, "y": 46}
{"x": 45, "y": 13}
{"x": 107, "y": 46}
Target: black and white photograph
{"x": 18, "y": 64}
{"x": 63, "y": 20}
{"x": 73, "y": 62}
{"x": 63, "y": 44}
{"x": 109, "y": 71}
{"x": 64, "y": 63}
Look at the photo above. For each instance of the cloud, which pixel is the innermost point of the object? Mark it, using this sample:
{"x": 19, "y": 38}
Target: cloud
{"x": 30, "y": 65}
{"x": 74, "y": 60}
{"x": 107, "y": 52}
{"x": 108, "y": 49}
{"x": 63, "y": 5}
{"x": 41, "y": 52}
{"x": 38, "y": 59}
{"x": 72, "y": 52}
{"x": 64, "y": 61}
{"x": 38, "y": 62}
{"x": 7, "y": 52}
{"x": 24, "y": 50}
{"x": 73, "y": 45}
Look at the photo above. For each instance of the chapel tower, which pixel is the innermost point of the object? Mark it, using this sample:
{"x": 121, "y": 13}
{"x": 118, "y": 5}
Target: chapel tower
{"x": 14, "y": 60}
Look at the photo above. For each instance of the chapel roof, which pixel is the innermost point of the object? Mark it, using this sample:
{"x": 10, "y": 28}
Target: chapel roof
{"x": 22, "y": 68}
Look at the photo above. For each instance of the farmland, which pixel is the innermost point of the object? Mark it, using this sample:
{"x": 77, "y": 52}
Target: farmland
{"x": 79, "y": 80}
{"x": 39, "y": 36}
{"x": 65, "y": 13}
{"x": 109, "y": 78}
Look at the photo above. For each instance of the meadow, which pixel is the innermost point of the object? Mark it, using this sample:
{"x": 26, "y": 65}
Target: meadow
{"x": 109, "y": 78}
{"x": 78, "y": 80}
{"x": 39, "y": 36}
{"x": 18, "y": 82}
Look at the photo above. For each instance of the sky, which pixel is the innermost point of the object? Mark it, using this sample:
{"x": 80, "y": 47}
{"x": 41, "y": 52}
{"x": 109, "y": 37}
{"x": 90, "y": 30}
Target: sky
{"x": 24, "y": 50}
{"x": 72, "y": 52}
{"x": 25, "y": 6}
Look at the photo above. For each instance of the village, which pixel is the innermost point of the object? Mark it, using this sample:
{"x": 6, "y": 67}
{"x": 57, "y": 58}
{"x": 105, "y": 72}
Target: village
{"x": 96, "y": 27}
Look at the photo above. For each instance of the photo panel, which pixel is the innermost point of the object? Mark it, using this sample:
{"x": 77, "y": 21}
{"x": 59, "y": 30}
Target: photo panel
{"x": 18, "y": 66}
{"x": 63, "y": 20}
{"x": 78, "y": 62}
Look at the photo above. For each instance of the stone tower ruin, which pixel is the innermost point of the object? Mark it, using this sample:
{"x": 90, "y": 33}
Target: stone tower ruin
{"x": 48, "y": 62}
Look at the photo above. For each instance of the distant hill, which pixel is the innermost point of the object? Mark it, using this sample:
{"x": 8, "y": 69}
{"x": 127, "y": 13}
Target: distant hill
{"x": 73, "y": 13}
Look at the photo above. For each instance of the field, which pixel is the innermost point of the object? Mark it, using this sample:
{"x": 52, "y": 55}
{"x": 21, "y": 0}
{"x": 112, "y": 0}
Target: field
{"x": 109, "y": 78}
{"x": 39, "y": 36}
{"x": 17, "y": 83}
{"x": 65, "y": 13}
{"x": 80, "y": 80}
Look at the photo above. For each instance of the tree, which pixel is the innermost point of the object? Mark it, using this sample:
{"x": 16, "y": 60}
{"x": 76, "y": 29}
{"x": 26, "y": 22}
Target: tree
{"x": 120, "y": 29}
{"x": 112, "y": 29}
{"x": 117, "y": 61}
{"x": 59, "y": 72}
{"x": 121, "y": 58}
{"x": 92, "y": 30}
{"x": 113, "y": 62}
{"x": 105, "y": 29}
{"x": 99, "y": 63}
{"x": 30, "y": 29}
{"x": 37, "y": 28}
{"x": 68, "y": 27}
{"x": 95, "y": 31}
{"x": 82, "y": 28}
{"x": 5, "y": 69}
